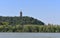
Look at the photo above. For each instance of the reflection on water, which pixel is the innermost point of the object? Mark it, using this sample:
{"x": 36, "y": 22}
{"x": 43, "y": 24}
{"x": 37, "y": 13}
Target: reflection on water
{"x": 29, "y": 35}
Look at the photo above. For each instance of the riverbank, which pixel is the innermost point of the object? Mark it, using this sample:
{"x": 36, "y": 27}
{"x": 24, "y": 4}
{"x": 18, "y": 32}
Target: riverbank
{"x": 31, "y": 28}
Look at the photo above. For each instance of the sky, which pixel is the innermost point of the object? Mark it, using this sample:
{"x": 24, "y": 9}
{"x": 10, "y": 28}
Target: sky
{"x": 48, "y": 11}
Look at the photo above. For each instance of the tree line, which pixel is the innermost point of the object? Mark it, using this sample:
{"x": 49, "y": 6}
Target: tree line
{"x": 30, "y": 28}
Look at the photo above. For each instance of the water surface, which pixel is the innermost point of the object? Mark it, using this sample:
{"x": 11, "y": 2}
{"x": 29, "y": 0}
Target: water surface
{"x": 29, "y": 35}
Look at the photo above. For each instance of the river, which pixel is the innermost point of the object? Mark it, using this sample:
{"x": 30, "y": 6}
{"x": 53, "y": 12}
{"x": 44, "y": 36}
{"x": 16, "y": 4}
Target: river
{"x": 29, "y": 35}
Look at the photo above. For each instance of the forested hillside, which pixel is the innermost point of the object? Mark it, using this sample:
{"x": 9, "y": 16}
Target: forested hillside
{"x": 16, "y": 20}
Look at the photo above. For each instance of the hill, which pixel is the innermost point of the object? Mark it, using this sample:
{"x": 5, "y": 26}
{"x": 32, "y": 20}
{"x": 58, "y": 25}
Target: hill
{"x": 16, "y": 20}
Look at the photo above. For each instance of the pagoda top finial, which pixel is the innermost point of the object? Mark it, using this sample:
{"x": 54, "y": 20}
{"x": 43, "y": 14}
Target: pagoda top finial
{"x": 20, "y": 10}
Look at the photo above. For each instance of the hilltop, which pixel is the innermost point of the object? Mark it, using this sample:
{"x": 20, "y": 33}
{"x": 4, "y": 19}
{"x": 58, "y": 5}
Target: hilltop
{"x": 16, "y": 20}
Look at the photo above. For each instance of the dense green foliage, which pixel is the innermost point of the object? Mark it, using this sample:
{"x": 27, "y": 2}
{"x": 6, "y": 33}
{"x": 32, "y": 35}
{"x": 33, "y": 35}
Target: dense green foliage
{"x": 14, "y": 24}
{"x": 17, "y": 20}
{"x": 30, "y": 28}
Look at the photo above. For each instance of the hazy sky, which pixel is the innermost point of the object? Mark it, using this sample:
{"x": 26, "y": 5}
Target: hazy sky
{"x": 47, "y": 11}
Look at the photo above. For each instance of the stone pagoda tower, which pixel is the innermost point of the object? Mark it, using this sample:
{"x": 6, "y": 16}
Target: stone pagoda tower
{"x": 20, "y": 14}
